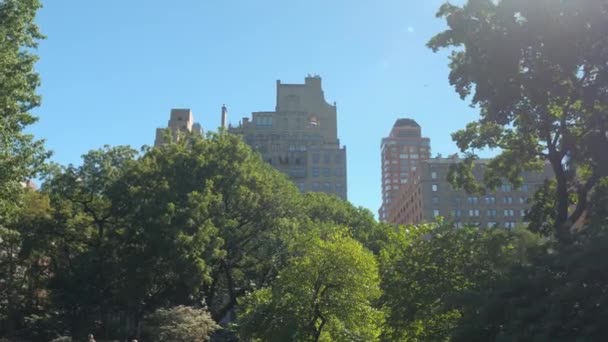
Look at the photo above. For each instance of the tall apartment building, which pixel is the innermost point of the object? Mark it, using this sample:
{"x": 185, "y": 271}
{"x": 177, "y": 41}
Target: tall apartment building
{"x": 430, "y": 195}
{"x": 181, "y": 120}
{"x": 300, "y": 137}
{"x": 402, "y": 151}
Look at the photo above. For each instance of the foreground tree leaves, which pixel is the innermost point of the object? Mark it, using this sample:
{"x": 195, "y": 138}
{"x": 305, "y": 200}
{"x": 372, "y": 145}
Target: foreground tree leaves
{"x": 430, "y": 265}
{"x": 197, "y": 223}
{"x": 560, "y": 295}
{"x": 21, "y": 157}
{"x": 325, "y": 293}
{"x": 537, "y": 71}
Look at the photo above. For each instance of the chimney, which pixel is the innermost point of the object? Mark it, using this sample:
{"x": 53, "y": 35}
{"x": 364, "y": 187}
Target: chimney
{"x": 224, "y": 116}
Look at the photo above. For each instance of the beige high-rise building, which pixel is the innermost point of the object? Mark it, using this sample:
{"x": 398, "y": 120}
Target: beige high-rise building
{"x": 300, "y": 137}
{"x": 402, "y": 151}
{"x": 181, "y": 120}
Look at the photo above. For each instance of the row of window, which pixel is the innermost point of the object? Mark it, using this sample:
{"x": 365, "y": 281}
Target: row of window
{"x": 327, "y": 172}
{"x": 503, "y": 188}
{"x": 318, "y": 186}
{"x": 263, "y": 121}
{"x": 316, "y": 158}
{"x": 488, "y": 200}
{"x": 506, "y": 224}
{"x": 477, "y": 212}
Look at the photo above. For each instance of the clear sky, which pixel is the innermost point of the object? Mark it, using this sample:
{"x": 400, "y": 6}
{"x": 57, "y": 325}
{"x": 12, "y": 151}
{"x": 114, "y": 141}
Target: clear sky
{"x": 111, "y": 71}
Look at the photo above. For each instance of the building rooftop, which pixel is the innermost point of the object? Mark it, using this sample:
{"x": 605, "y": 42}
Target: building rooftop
{"x": 406, "y": 122}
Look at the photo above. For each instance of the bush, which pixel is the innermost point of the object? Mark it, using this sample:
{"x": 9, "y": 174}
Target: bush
{"x": 180, "y": 323}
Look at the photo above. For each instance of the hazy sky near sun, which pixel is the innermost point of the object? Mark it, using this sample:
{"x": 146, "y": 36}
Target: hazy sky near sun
{"x": 111, "y": 71}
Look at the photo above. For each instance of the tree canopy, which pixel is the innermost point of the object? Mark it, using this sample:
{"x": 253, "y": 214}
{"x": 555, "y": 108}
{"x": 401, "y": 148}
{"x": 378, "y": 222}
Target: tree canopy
{"x": 21, "y": 156}
{"x": 537, "y": 72}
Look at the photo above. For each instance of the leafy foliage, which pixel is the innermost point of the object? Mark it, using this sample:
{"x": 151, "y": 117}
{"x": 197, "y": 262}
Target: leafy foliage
{"x": 537, "y": 72}
{"x": 20, "y": 155}
{"x": 558, "y": 296}
{"x": 325, "y": 293}
{"x": 180, "y": 323}
{"x": 430, "y": 266}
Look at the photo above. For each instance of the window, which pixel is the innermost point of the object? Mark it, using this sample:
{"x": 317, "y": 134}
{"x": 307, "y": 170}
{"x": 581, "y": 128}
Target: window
{"x": 508, "y": 213}
{"x": 315, "y": 172}
{"x": 316, "y": 157}
{"x": 264, "y": 121}
{"x": 434, "y": 187}
{"x": 506, "y": 188}
{"x": 523, "y": 200}
{"x": 435, "y": 213}
{"x": 459, "y": 225}
{"x": 455, "y": 213}
{"x": 435, "y": 200}
{"x": 403, "y": 156}
{"x": 327, "y": 158}
{"x": 414, "y": 156}
{"x": 507, "y": 200}
{"x": 456, "y": 201}
{"x": 315, "y": 186}
{"x": 302, "y": 187}
{"x": 509, "y": 224}
{"x": 524, "y": 188}
{"x": 326, "y": 172}
{"x": 491, "y": 212}
{"x": 522, "y": 213}
{"x": 491, "y": 224}
{"x": 473, "y": 200}
{"x": 339, "y": 172}
{"x": 434, "y": 175}
{"x": 474, "y": 212}
{"x": 490, "y": 200}
{"x": 327, "y": 186}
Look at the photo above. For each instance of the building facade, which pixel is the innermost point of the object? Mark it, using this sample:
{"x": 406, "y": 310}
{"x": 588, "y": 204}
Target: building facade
{"x": 430, "y": 195}
{"x": 300, "y": 137}
{"x": 402, "y": 150}
{"x": 181, "y": 120}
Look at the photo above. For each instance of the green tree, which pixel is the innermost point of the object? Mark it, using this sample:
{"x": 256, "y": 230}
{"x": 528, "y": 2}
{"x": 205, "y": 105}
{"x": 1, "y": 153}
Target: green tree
{"x": 363, "y": 227}
{"x": 537, "y": 72}
{"x": 20, "y": 155}
{"x": 430, "y": 266}
{"x": 180, "y": 323}
{"x": 557, "y": 296}
{"x": 325, "y": 293}
{"x": 85, "y": 237}
{"x": 24, "y": 268}
{"x": 240, "y": 205}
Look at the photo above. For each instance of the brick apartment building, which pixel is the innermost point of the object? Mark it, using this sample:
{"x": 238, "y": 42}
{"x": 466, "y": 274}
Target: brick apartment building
{"x": 402, "y": 151}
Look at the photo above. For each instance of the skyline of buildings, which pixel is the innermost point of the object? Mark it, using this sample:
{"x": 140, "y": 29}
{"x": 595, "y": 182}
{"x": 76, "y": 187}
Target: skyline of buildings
{"x": 300, "y": 139}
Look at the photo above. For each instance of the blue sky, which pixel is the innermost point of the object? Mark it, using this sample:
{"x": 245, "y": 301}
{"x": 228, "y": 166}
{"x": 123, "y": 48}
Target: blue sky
{"x": 111, "y": 70}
